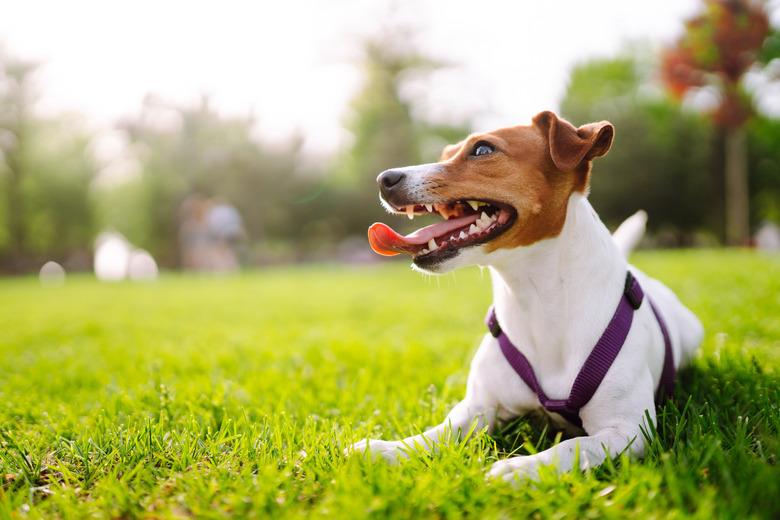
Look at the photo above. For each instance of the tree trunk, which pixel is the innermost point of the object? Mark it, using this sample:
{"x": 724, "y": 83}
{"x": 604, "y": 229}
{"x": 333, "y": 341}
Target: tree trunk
{"x": 737, "y": 202}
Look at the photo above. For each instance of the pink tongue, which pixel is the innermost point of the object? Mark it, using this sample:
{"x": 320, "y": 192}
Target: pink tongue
{"x": 387, "y": 242}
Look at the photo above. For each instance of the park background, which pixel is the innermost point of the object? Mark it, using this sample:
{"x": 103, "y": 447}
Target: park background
{"x": 199, "y": 396}
{"x": 112, "y": 115}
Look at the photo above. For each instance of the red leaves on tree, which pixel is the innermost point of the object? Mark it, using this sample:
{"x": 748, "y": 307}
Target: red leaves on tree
{"x": 718, "y": 48}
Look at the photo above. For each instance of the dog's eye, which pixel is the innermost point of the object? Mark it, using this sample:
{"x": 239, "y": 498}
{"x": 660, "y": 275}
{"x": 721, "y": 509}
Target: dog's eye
{"x": 481, "y": 149}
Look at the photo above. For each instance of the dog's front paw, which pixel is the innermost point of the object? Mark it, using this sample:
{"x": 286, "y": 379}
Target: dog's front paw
{"x": 520, "y": 467}
{"x": 387, "y": 450}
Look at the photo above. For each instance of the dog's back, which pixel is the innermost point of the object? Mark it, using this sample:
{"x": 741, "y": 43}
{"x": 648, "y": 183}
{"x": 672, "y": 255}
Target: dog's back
{"x": 689, "y": 328}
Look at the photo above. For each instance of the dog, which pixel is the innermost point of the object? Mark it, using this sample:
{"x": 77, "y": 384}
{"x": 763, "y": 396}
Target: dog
{"x": 575, "y": 331}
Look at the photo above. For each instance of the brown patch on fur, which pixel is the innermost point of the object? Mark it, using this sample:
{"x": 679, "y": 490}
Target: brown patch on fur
{"x": 535, "y": 169}
{"x": 450, "y": 150}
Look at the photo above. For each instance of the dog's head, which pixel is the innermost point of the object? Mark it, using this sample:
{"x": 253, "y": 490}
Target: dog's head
{"x": 497, "y": 190}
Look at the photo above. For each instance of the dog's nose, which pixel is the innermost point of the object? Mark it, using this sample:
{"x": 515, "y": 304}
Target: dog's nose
{"x": 389, "y": 179}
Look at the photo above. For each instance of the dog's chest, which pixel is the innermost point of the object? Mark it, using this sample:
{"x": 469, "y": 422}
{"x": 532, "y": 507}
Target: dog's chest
{"x": 504, "y": 388}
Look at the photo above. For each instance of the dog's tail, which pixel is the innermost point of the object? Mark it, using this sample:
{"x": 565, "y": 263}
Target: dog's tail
{"x": 630, "y": 232}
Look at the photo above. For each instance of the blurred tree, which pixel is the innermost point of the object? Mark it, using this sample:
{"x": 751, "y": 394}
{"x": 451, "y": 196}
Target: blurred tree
{"x": 17, "y": 96}
{"x": 45, "y": 175}
{"x": 660, "y": 158}
{"x": 380, "y": 121}
{"x": 57, "y": 209}
{"x": 194, "y": 150}
{"x": 764, "y": 155}
{"x": 718, "y": 48}
{"x": 282, "y": 197}
{"x": 387, "y": 132}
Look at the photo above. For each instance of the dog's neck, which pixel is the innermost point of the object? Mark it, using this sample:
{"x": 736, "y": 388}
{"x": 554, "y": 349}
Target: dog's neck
{"x": 552, "y": 297}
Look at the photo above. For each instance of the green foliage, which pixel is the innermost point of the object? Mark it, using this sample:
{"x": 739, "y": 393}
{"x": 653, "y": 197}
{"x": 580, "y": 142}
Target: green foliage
{"x": 765, "y": 169}
{"x": 382, "y": 123}
{"x": 600, "y": 85}
{"x": 56, "y": 191}
{"x": 661, "y": 155}
{"x": 185, "y": 150}
{"x": 281, "y": 199}
{"x": 45, "y": 176}
{"x": 386, "y": 132}
{"x": 49, "y": 212}
{"x": 717, "y": 50}
{"x": 234, "y": 397}
{"x": 665, "y": 159}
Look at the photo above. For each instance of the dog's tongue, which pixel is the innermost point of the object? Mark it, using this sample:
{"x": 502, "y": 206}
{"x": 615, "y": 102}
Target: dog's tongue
{"x": 387, "y": 242}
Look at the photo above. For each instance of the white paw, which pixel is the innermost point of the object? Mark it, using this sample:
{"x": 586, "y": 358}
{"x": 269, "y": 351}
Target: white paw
{"x": 387, "y": 450}
{"x": 522, "y": 468}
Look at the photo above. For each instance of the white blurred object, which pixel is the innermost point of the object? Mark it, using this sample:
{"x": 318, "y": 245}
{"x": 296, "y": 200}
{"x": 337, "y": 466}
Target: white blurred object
{"x": 112, "y": 257}
{"x": 52, "y": 274}
{"x": 117, "y": 259}
{"x": 142, "y": 266}
{"x": 768, "y": 237}
{"x": 226, "y": 232}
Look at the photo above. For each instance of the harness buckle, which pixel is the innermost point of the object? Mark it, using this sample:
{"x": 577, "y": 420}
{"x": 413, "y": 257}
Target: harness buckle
{"x": 495, "y": 328}
{"x": 492, "y": 322}
{"x": 633, "y": 292}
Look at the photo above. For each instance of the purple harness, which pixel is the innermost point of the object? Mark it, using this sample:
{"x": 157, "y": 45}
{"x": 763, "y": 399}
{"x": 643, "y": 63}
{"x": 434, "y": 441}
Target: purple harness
{"x": 601, "y": 358}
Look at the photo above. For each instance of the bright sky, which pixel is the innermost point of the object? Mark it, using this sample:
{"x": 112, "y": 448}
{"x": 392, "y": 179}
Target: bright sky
{"x": 293, "y": 63}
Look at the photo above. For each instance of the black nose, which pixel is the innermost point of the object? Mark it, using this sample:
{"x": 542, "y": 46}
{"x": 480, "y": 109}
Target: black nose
{"x": 389, "y": 180}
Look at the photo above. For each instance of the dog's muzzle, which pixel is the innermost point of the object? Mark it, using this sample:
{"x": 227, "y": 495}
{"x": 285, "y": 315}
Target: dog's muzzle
{"x": 390, "y": 183}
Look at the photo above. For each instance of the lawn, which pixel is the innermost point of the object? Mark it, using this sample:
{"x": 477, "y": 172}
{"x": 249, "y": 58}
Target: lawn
{"x": 235, "y": 396}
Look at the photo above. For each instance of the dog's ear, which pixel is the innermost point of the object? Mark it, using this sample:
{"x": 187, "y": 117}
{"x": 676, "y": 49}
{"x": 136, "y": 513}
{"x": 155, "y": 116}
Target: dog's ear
{"x": 570, "y": 146}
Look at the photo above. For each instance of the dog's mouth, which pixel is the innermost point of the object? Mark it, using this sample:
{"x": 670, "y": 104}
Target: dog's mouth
{"x": 467, "y": 223}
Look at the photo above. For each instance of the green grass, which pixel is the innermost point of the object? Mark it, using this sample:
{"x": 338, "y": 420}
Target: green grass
{"x": 234, "y": 397}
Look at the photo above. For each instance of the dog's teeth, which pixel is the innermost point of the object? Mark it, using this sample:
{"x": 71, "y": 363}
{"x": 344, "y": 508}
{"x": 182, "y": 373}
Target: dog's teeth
{"x": 410, "y": 212}
{"x": 429, "y": 207}
{"x": 473, "y": 229}
{"x": 474, "y": 204}
{"x": 424, "y": 252}
{"x": 494, "y": 217}
{"x": 462, "y": 235}
{"x": 482, "y": 224}
{"x": 432, "y": 245}
{"x": 484, "y": 216}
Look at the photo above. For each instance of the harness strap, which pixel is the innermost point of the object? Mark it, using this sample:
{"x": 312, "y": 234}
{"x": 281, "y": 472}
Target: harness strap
{"x": 598, "y": 362}
{"x": 668, "y": 375}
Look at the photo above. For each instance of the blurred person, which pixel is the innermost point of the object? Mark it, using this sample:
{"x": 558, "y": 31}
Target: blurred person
{"x": 227, "y": 233}
{"x": 194, "y": 236}
{"x": 767, "y": 237}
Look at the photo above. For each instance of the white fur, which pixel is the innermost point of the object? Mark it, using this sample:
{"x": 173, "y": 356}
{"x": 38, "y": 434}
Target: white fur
{"x": 553, "y": 300}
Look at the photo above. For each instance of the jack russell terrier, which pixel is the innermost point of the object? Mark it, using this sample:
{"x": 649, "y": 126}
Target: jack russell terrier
{"x": 574, "y": 331}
